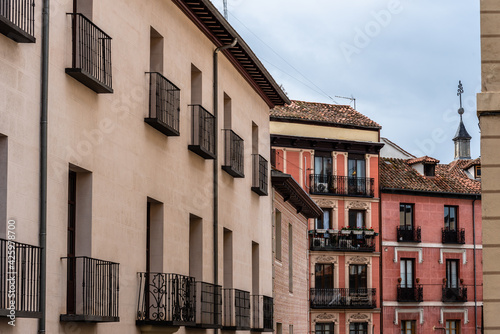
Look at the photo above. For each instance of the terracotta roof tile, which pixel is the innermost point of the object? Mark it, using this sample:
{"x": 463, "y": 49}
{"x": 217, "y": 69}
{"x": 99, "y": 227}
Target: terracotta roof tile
{"x": 323, "y": 112}
{"x": 451, "y": 178}
{"x": 471, "y": 163}
{"x": 424, "y": 159}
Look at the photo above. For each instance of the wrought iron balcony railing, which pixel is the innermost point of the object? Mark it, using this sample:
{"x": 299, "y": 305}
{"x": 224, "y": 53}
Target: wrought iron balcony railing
{"x": 208, "y": 305}
{"x": 19, "y": 279}
{"x": 92, "y": 290}
{"x": 338, "y": 241}
{"x": 343, "y": 298}
{"x": 91, "y": 55}
{"x": 341, "y": 185}
{"x": 164, "y": 105}
{"x": 413, "y": 294}
{"x": 233, "y": 154}
{"x": 259, "y": 175}
{"x": 409, "y": 234}
{"x": 453, "y": 236}
{"x": 454, "y": 295}
{"x": 17, "y": 20}
{"x": 203, "y": 132}
{"x": 236, "y": 314}
{"x": 166, "y": 300}
{"x": 262, "y": 313}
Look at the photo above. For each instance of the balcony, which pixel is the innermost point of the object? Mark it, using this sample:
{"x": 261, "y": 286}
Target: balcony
{"x": 341, "y": 185}
{"x": 343, "y": 298}
{"x": 454, "y": 295}
{"x": 19, "y": 279}
{"x": 164, "y": 105}
{"x": 208, "y": 305}
{"x": 166, "y": 300}
{"x": 414, "y": 294}
{"x": 236, "y": 310}
{"x": 92, "y": 290}
{"x": 17, "y": 20}
{"x": 453, "y": 236}
{"x": 262, "y": 314}
{"x": 409, "y": 234}
{"x": 233, "y": 154}
{"x": 91, "y": 55}
{"x": 203, "y": 132}
{"x": 259, "y": 175}
{"x": 343, "y": 241}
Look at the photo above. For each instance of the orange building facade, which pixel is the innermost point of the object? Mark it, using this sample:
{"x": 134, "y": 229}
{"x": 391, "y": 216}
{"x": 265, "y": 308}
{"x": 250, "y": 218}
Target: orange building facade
{"x": 333, "y": 152}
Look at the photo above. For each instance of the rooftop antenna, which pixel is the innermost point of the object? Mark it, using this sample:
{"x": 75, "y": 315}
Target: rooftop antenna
{"x": 225, "y": 9}
{"x": 352, "y": 99}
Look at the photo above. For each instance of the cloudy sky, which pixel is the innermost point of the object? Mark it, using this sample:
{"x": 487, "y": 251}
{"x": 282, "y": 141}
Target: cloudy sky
{"x": 400, "y": 59}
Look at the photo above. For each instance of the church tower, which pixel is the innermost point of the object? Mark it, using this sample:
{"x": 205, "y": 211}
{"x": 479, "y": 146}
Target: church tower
{"x": 462, "y": 137}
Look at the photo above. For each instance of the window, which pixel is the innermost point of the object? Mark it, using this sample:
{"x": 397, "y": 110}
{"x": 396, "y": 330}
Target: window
{"x": 279, "y": 328}
{"x": 356, "y": 218}
{"x": 408, "y": 327}
{"x": 196, "y": 85}
{"x": 323, "y": 276}
{"x": 290, "y": 258}
{"x": 324, "y": 328}
{"x": 290, "y": 329}
{"x": 357, "y": 276}
{"x": 356, "y": 165}
{"x": 477, "y": 172}
{"x": 358, "y": 328}
{"x": 195, "y": 247}
{"x": 452, "y": 326}
{"x": 406, "y": 216}
{"x": 323, "y": 223}
{"x": 155, "y": 51}
{"x": 406, "y": 271}
{"x": 450, "y": 218}
{"x": 429, "y": 170}
{"x": 323, "y": 163}
{"x": 255, "y": 268}
{"x": 154, "y": 241}
{"x": 228, "y": 258}
{"x": 277, "y": 220}
{"x": 452, "y": 273}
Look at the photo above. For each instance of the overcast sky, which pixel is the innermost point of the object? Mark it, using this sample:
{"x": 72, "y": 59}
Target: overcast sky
{"x": 400, "y": 59}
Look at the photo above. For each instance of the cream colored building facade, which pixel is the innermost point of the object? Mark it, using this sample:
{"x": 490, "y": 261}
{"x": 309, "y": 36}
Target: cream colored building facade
{"x": 133, "y": 192}
{"x": 488, "y": 109}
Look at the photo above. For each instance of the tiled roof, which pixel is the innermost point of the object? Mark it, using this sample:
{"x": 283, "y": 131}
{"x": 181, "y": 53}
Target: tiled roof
{"x": 324, "y": 113}
{"x": 471, "y": 163}
{"x": 451, "y": 178}
{"x": 423, "y": 160}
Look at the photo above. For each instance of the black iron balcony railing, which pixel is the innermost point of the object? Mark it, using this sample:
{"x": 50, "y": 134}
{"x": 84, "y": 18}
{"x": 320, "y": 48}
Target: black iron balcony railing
{"x": 203, "y": 132}
{"x": 413, "y": 294}
{"x": 338, "y": 241}
{"x": 262, "y": 313}
{"x": 341, "y": 185}
{"x": 208, "y": 305}
{"x": 343, "y": 298}
{"x": 17, "y": 20}
{"x": 164, "y": 105}
{"x": 259, "y": 174}
{"x": 92, "y": 290}
{"x": 455, "y": 295}
{"x": 453, "y": 236}
{"x": 91, "y": 55}
{"x": 236, "y": 310}
{"x": 19, "y": 279}
{"x": 409, "y": 234}
{"x": 166, "y": 300}
{"x": 233, "y": 154}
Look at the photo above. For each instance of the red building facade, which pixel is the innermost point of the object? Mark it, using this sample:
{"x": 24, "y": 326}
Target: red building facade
{"x": 332, "y": 151}
{"x": 431, "y": 246}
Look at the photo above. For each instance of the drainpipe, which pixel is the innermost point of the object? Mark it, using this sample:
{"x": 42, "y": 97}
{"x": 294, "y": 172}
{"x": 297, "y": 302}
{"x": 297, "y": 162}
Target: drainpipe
{"x": 43, "y": 162}
{"x": 475, "y": 283}
{"x": 381, "y": 250}
{"x": 216, "y": 169}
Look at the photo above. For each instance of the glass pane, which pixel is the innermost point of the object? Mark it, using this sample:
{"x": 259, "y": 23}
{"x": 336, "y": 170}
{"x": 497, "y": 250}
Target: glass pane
{"x": 403, "y": 273}
{"x": 409, "y": 217}
{"x": 409, "y": 274}
{"x": 352, "y": 168}
{"x": 326, "y": 219}
{"x": 446, "y": 217}
{"x": 318, "y": 165}
{"x": 453, "y": 220}
{"x": 359, "y": 219}
{"x": 401, "y": 214}
{"x": 360, "y": 168}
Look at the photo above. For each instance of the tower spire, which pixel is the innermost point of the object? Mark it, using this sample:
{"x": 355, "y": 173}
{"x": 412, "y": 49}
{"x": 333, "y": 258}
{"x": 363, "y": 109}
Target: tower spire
{"x": 462, "y": 137}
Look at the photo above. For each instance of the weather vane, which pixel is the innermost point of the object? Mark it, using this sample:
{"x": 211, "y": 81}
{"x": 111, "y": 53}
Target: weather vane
{"x": 459, "y": 93}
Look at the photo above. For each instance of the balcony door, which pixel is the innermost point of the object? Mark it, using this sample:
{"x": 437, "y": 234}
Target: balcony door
{"x": 406, "y": 217}
{"x": 450, "y": 218}
{"x": 452, "y": 274}
{"x": 407, "y": 273}
{"x": 323, "y": 276}
{"x": 356, "y": 172}
{"x": 358, "y": 277}
{"x": 323, "y": 163}
{"x": 71, "y": 287}
{"x": 323, "y": 222}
